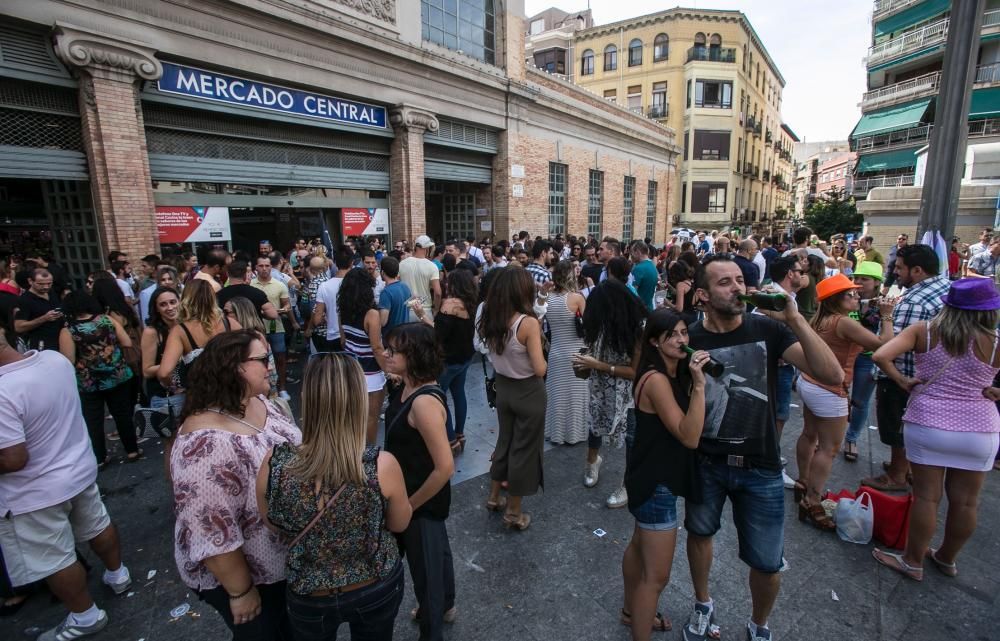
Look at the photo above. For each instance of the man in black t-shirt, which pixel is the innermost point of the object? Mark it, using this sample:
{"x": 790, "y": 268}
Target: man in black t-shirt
{"x": 237, "y": 286}
{"x": 38, "y": 317}
{"x": 739, "y": 454}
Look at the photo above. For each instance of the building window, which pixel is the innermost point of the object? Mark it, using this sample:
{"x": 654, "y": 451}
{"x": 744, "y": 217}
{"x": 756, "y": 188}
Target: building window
{"x": 610, "y": 58}
{"x": 557, "y": 198}
{"x": 708, "y": 197}
{"x": 628, "y": 208}
{"x": 461, "y": 25}
{"x": 587, "y": 63}
{"x": 715, "y": 94}
{"x": 684, "y": 197}
{"x": 611, "y": 95}
{"x": 659, "y": 106}
{"x": 688, "y": 94}
{"x": 634, "y": 98}
{"x": 552, "y": 60}
{"x": 711, "y": 145}
{"x": 595, "y": 207}
{"x": 686, "y": 145}
{"x": 537, "y": 27}
{"x": 651, "y": 209}
{"x": 635, "y": 53}
{"x": 661, "y": 47}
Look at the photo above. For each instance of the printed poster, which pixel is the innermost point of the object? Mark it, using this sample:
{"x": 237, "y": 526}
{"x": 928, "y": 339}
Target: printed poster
{"x": 365, "y": 222}
{"x": 192, "y": 224}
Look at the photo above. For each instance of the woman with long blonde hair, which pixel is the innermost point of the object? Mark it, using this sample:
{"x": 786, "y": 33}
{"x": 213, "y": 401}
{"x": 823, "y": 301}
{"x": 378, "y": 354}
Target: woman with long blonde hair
{"x": 339, "y": 501}
{"x": 198, "y": 320}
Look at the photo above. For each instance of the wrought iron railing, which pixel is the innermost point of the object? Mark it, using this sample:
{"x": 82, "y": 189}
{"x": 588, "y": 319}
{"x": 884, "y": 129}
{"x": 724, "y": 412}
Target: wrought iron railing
{"x": 913, "y": 88}
{"x": 864, "y": 185}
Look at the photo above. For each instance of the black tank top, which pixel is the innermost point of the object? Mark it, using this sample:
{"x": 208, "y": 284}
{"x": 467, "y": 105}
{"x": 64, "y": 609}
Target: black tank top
{"x": 658, "y": 458}
{"x": 408, "y": 446}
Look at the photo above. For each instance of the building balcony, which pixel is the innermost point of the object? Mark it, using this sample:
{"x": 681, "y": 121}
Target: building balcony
{"x": 883, "y": 7}
{"x": 932, "y": 34}
{"x": 984, "y": 128}
{"x": 657, "y": 111}
{"x": 747, "y": 169}
{"x": 768, "y": 137}
{"x": 757, "y": 129}
{"x": 712, "y": 54}
{"x": 894, "y": 139}
{"x": 766, "y": 177}
{"x": 988, "y": 74}
{"x": 862, "y": 186}
{"x": 750, "y": 123}
{"x": 756, "y": 172}
{"x": 919, "y": 87}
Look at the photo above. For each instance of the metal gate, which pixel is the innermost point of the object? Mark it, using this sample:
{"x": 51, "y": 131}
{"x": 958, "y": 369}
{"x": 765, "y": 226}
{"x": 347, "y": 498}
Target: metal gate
{"x": 76, "y": 242}
{"x": 459, "y": 215}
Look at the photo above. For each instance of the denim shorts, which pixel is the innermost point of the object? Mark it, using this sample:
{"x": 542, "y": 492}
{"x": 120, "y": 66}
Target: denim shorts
{"x": 783, "y": 402}
{"x": 277, "y": 342}
{"x": 659, "y": 512}
{"x": 758, "y": 498}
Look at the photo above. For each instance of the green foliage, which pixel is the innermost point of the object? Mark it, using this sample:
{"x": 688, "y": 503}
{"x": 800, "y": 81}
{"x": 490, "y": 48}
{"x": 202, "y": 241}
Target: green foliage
{"x": 831, "y": 214}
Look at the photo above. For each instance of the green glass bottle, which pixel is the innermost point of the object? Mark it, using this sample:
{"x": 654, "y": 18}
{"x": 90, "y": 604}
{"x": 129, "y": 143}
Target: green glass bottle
{"x": 713, "y": 368}
{"x": 771, "y": 301}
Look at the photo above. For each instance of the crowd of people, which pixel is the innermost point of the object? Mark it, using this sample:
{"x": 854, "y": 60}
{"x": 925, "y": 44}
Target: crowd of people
{"x": 667, "y": 357}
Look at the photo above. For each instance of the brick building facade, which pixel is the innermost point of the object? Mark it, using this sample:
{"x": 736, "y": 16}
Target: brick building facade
{"x": 450, "y": 136}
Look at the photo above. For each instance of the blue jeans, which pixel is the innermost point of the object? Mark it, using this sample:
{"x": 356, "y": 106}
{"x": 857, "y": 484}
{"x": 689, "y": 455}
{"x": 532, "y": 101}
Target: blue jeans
{"x": 176, "y": 402}
{"x": 862, "y": 389}
{"x": 452, "y": 380}
{"x": 783, "y": 402}
{"x": 758, "y": 498}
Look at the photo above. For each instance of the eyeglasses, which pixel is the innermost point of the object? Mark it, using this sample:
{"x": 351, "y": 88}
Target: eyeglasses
{"x": 263, "y": 360}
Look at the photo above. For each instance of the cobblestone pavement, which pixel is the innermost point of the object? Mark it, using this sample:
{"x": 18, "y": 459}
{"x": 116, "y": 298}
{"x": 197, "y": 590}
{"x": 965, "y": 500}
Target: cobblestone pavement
{"x": 558, "y": 580}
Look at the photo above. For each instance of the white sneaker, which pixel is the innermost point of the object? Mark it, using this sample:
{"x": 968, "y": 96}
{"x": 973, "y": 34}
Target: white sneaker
{"x": 284, "y": 395}
{"x": 592, "y": 472}
{"x": 118, "y": 587}
{"x": 618, "y": 499}
{"x": 789, "y": 481}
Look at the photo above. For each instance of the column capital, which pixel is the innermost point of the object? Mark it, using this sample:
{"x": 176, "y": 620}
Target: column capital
{"x": 411, "y": 118}
{"x": 108, "y": 56}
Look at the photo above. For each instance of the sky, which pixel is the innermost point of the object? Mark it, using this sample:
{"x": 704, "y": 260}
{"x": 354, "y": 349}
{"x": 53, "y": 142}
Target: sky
{"x": 818, "y": 46}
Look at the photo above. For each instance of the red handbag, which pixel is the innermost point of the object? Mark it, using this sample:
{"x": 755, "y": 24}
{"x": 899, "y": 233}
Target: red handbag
{"x": 891, "y": 512}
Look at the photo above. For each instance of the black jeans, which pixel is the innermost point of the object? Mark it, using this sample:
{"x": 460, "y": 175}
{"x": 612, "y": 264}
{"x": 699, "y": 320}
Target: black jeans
{"x": 428, "y": 553}
{"x": 370, "y": 612}
{"x": 120, "y": 402}
{"x": 270, "y": 625}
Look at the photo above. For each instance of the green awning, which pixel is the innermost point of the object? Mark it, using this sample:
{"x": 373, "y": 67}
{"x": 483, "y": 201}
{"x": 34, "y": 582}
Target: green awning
{"x": 887, "y": 160}
{"x": 916, "y": 14}
{"x": 985, "y": 103}
{"x": 892, "y": 119}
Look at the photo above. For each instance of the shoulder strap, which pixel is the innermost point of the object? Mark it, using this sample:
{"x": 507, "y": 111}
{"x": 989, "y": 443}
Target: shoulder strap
{"x": 996, "y": 341}
{"x": 315, "y": 519}
{"x": 225, "y": 323}
{"x": 194, "y": 345}
{"x": 642, "y": 383}
{"x": 927, "y": 327}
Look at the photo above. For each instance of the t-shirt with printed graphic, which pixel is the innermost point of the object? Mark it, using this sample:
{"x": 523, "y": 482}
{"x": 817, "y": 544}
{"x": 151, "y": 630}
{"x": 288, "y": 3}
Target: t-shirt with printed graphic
{"x": 739, "y": 405}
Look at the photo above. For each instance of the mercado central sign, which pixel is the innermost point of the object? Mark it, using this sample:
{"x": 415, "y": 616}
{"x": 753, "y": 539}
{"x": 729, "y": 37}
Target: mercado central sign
{"x": 208, "y": 85}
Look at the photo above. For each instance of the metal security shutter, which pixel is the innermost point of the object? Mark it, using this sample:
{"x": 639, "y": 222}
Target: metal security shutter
{"x": 40, "y": 132}
{"x": 452, "y": 133}
{"x": 457, "y": 165}
{"x": 26, "y": 54}
{"x": 187, "y": 144}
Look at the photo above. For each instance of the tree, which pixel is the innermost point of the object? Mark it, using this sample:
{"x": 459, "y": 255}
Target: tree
{"x": 831, "y": 214}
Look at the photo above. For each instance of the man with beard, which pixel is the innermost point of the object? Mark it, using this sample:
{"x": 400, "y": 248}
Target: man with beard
{"x": 542, "y": 256}
{"x": 740, "y": 457}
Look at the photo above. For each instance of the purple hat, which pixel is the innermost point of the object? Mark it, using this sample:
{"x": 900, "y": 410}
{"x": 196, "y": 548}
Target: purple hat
{"x": 973, "y": 294}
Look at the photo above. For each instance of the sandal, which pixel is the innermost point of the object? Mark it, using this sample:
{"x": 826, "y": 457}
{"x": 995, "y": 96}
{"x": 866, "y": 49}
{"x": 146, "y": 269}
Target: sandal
{"x": 457, "y": 446}
{"x": 134, "y": 456}
{"x": 449, "y": 615}
{"x": 814, "y": 514}
{"x": 895, "y": 562}
{"x": 850, "y": 452}
{"x": 660, "y": 622}
{"x": 885, "y": 484}
{"x": 519, "y": 522}
{"x": 103, "y": 464}
{"x": 498, "y": 505}
{"x": 799, "y": 490}
{"x": 947, "y": 569}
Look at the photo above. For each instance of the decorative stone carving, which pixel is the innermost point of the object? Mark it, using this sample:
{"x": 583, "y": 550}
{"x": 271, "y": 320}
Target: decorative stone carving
{"x": 384, "y": 10}
{"x": 92, "y": 51}
{"x": 410, "y": 118}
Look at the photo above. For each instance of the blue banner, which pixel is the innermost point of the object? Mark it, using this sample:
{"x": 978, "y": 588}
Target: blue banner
{"x": 208, "y": 85}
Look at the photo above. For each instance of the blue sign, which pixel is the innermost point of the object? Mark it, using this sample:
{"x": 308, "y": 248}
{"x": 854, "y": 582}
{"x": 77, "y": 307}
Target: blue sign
{"x": 209, "y": 85}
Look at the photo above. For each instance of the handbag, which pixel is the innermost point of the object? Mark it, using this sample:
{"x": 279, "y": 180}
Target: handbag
{"x": 578, "y": 324}
{"x": 160, "y": 421}
{"x": 491, "y": 386}
{"x": 315, "y": 519}
{"x": 855, "y": 519}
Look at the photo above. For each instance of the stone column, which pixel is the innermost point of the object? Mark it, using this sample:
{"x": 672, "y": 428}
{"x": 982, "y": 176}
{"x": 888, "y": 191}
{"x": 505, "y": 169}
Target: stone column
{"x": 110, "y": 71}
{"x": 406, "y": 171}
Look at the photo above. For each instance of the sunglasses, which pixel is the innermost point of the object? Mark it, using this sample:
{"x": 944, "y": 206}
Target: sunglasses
{"x": 263, "y": 360}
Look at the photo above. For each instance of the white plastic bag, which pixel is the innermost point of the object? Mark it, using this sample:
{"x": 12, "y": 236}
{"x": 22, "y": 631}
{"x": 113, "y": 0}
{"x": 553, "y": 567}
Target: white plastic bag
{"x": 855, "y": 519}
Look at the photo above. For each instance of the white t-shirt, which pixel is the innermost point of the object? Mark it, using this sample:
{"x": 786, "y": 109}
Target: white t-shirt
{"x": 815, "y": 251}
{"x": 418, "y": 273}
{"x": 144, "y": 297}
{"x": 327, "y": 294}
{"x": 126, "y": 288}
{"x": 978, "y": 248}
{"x": 40, "y": 407}
{"x": 761, "y": 263}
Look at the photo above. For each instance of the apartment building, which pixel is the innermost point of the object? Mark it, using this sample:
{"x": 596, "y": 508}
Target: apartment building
{"x": 836, "y": 174}
{"x": 707, "y": 74}
{"x": 904, "y": 70}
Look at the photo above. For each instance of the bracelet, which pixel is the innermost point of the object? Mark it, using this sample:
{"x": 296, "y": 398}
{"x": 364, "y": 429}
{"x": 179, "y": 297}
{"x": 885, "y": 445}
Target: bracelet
{"x": 887, "y": 319}
{"x": 612, "y": 370}
{"x": 236, "y": 597}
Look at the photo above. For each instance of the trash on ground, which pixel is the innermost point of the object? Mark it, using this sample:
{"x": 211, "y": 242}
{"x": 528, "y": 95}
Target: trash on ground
{"x": 130, "y": 594}
{"x": 150, "y": 574}
{"x": 599, "y": 532}
{"x": 180, "y": 610}
{"x": 792, "y": 405}
{"x": 833, "y": 595}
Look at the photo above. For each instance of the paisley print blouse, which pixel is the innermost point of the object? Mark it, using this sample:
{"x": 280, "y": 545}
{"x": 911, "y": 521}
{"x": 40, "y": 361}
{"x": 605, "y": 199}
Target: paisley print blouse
{"x": 215, "y": 503}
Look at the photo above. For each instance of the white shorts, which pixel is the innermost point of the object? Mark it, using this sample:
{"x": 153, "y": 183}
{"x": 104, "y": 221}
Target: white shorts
{"x": 974, "y": 451}
{"x": 38, "y": 544}
{"x": 821, "y": 402}
{"x": 376, "y": 382}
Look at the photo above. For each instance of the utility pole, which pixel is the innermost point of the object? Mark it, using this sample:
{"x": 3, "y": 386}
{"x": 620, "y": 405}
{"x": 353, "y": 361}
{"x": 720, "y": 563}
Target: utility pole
{"x": 946, "y": 154}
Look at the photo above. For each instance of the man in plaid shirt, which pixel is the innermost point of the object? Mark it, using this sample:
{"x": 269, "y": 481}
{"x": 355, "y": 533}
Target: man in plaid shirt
{"x": 542, "y": 255}
{"x": 917, "y": 268}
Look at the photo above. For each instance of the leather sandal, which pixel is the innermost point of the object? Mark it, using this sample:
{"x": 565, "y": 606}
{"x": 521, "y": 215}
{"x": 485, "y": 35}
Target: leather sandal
{"x": 497, "y": 506}
{"x": 815, "y": 515}
{"x": 895, "y": 562}
{"x": 947, "y": 569}
{"x": 799, "y": 491}
{"x": 519, "y": 522}
{"x": 660, "y": 622}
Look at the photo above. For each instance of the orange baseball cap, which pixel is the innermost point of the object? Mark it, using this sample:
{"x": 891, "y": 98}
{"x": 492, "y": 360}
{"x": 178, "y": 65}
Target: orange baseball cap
{"x": 836, "y": 284}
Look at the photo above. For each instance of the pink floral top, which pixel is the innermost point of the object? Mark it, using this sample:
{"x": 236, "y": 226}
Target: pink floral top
{"x": 215, "y": 502}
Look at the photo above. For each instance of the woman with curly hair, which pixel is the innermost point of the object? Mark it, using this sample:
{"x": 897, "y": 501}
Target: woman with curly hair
{"x": 361, "y": 335}
{"x": 222, "y": 549}
{"x": 513, "y": 335}
{"x": 454, "y": 325}
{"x": 612, "y": 325}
